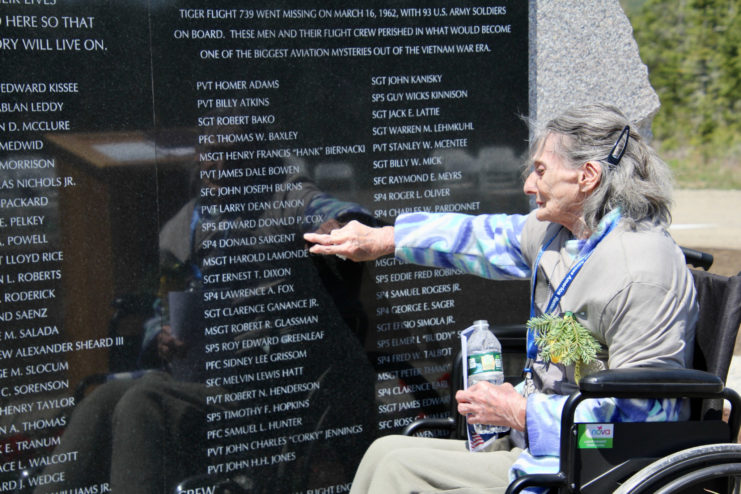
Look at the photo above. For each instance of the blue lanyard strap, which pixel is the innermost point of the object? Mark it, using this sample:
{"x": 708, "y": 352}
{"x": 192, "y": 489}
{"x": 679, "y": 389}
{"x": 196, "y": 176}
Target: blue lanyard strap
{"x": 534, "y": 276}
{"x": 610, "y": 220}
{"x": 532, "y": 348}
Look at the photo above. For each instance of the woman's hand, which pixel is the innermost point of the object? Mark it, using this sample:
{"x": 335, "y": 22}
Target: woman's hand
{"x": 486, "y": 403}
{"x": 354, "y": 241}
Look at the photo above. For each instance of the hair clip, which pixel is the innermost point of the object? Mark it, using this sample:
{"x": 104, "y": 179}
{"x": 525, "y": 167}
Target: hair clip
{"x": 616, "y": 154}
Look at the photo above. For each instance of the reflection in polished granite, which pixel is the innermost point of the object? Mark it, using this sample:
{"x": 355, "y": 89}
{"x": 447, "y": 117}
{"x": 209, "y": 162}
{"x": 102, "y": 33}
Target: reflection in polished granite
{"x": 191, "y": 337}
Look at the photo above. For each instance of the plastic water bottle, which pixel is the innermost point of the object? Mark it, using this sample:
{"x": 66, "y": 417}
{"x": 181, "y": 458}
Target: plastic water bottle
{"x": 485, "y": 364}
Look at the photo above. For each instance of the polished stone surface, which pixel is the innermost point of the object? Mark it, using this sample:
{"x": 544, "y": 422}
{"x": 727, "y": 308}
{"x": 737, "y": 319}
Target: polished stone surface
{"x": 163, "y": 161}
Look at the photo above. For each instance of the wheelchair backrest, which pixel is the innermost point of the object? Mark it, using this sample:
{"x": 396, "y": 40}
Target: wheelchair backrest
{"x": 719, "y": 298}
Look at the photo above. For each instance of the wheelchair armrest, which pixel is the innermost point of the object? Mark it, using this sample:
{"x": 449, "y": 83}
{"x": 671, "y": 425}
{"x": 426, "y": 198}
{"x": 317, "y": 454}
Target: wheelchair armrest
{"x": 541, "y": 480}
{"x": 447, "y": 423}
{"x": 644, "y": 382}
{"x": 640, "y": 382}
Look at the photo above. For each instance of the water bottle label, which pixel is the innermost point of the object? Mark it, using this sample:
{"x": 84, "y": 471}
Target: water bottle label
{"x": 484, "y": 362}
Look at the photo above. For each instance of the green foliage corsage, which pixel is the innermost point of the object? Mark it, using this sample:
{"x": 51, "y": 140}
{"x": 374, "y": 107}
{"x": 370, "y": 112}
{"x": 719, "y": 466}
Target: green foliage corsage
{"x": 563, "y": 340}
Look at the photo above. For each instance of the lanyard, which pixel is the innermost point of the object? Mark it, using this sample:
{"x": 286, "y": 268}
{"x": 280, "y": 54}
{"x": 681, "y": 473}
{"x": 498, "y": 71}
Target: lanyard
{"x": 584, "y": 253}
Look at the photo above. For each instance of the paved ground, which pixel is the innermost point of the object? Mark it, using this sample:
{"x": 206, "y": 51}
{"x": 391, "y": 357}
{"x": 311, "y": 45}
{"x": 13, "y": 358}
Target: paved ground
{"x": 710, "y": 220}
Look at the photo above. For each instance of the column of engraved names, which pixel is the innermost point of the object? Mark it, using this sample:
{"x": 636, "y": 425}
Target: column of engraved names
{"x": 261, "y": 328}
{"x": 34, "y": 361}
{"x": 415, "y": 133}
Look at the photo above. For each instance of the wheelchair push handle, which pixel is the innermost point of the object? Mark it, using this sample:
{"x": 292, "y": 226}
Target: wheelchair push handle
{"x": 697, "y": 258}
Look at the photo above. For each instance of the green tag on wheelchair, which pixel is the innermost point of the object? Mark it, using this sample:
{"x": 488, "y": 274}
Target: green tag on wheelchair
{"x": 595, "y": 436}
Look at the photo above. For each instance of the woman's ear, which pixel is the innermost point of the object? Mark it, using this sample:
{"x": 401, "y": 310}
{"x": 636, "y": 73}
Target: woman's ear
{"x": 590, "y": 175}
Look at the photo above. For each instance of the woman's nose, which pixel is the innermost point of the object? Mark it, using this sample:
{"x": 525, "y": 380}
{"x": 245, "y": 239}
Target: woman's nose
{"x": 529, "y": 186}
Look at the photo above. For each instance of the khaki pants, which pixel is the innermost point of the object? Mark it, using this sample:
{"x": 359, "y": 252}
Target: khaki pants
{"x": 404, "y": 465}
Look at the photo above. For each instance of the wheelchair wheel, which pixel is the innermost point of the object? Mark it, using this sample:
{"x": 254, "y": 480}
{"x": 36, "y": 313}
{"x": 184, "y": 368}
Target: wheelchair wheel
{"x": 685, "y": 470}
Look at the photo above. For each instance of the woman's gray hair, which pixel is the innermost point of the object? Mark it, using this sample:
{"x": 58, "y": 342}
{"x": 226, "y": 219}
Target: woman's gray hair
{"x": 640, "y": 184}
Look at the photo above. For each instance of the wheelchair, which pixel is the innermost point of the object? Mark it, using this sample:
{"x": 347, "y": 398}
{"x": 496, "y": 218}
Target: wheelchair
{"x": 694, "y": 456}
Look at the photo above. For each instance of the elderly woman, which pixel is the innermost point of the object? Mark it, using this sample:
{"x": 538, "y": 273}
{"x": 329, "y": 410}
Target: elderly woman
{"x": 595, "y": 246}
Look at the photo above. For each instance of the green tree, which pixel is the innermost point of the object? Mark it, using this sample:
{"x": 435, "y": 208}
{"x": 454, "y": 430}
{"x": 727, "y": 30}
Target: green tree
{"x": 691, "y": 48}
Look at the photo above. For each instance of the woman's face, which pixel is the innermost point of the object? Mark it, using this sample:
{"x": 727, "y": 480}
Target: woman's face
{"x": 555, "y": 187}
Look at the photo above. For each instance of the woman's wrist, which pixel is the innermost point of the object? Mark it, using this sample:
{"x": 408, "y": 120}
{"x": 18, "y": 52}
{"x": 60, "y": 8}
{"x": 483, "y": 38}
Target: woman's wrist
{"x": 388, "y": 240}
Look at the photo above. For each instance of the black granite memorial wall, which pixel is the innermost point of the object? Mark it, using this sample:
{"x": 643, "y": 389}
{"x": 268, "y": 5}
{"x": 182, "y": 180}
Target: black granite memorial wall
{"x": 162, "y": 320}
